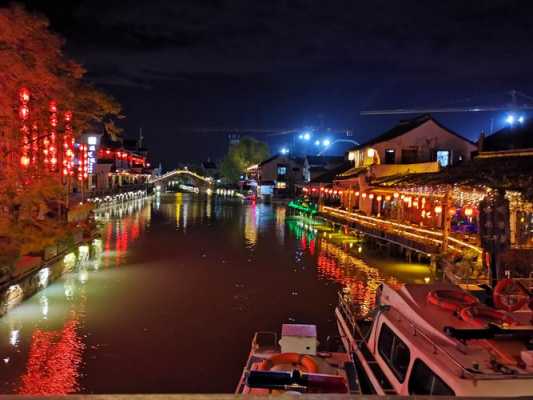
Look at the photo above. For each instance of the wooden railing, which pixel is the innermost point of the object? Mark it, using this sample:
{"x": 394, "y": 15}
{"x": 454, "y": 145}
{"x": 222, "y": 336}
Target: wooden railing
{"x": 418, "y": 239}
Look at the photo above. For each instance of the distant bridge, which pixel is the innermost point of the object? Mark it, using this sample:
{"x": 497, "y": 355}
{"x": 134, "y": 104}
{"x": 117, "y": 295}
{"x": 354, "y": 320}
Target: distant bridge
{"x": 184, "y": 176}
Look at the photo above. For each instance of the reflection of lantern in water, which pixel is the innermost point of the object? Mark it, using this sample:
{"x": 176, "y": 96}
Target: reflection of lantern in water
{"x": 54, "y": 362}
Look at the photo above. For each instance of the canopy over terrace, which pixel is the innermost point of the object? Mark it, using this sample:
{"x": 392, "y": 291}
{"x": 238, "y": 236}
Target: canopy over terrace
{"x": 467, "y": 184}
{"x": 505, "y": 173}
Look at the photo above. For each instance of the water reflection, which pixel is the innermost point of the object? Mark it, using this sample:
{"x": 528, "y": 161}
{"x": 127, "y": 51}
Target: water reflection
{"x": 168, "y": 267}
{"x": 339, "y": 259}
{"x": 44, "y": 350}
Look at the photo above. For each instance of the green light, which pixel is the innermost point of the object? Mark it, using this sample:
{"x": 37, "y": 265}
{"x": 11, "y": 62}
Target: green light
{"x": 310, "y": 209}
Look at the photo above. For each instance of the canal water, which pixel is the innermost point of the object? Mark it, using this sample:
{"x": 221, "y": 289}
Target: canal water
{"x": 174, "y": 300}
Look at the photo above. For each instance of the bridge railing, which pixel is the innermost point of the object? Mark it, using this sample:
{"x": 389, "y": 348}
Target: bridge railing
{"x": 169, "y": 174}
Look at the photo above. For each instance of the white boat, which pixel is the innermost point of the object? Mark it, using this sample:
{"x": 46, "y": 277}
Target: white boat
{"x": 295, "y": 365}
{"x": 438, "y": 340}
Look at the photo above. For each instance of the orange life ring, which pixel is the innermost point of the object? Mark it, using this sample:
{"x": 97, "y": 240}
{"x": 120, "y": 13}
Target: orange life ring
{"x": 306, "y": 363}
{"x": 451, "y": 300}
{"x": 481, "y": 315}
{"x": 509, "y": 295}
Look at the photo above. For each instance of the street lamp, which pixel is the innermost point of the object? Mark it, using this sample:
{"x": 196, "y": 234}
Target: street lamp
{"x": 284, "y": 150}
{"x": 511, "y": 119}
{"x": 327, "y": 143}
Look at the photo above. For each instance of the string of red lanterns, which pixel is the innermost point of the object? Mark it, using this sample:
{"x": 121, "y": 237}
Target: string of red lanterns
{"x": 24, "y": 114}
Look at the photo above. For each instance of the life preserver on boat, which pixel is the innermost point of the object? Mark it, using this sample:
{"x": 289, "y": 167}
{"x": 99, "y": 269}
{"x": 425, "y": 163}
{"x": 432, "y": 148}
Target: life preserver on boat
{"x": 451, "y": 300}
{"x": 509, "y": 295}
{"x": 480, "y": 316}
{"x": 304, "y": 362}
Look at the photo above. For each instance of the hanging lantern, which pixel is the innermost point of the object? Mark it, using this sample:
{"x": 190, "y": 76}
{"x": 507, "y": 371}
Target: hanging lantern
{"x": 52, "y": 148}
{"x": 379, "y": 198}
{"x": 364, "y": 195}
{"x": 396, "y": 195}
{"x": 357, "y": 193}
{"x": 452, "y": 211}
{"x": 469, "y": 211}
{"x": 438, "y": 209}
{"x": 24, "y": 161}
{"x": 388, "y": 197}
{"x": 371, "y": 196}
{"x": 24, "y": 113}
{"x": 24, "y": 95}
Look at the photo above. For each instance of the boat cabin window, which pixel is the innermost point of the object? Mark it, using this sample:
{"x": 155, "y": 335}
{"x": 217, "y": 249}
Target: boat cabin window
{"x": 424, "y": 381}
{"x": 395, "y": 353}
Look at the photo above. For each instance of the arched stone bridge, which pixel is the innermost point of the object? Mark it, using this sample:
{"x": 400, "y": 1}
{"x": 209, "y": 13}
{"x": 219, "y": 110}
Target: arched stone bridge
{"x": 183, "y": 177}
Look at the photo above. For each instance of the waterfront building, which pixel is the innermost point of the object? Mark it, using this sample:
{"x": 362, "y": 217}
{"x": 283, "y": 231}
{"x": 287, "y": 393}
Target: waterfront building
{"x": 315, "y": 166}
{"x": 278, "y": 175}
{"x": 484, "y": 205}
{"x": 120, "y": 165}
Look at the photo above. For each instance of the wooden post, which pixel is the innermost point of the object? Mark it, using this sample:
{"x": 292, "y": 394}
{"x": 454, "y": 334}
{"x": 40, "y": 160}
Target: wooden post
{"x": 446, "y": 221}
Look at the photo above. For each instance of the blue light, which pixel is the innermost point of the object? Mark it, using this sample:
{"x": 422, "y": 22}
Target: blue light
{"x": 317, "y": 142}
{"x": 300, "y": 136}
{"x": 284, "y": 150}
{"x": 307, "y": 136}
{"x": 521, "y": 119}
{"x": 510, "y": 119}
{"x": 326, "y": 142}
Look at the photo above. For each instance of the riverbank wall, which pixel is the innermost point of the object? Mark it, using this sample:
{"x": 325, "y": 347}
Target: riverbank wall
{"x": 57, "y": 261}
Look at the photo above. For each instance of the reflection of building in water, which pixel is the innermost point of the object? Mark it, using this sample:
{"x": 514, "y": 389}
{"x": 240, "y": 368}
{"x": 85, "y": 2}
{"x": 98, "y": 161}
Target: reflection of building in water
{"x": 359, "y": 278}
{"x": 250, "y": 226}
{"x": 119, "y": 232}
{"x": 281, "y": 212}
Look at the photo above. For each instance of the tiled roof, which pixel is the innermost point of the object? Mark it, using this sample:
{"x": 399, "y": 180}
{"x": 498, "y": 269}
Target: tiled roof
{"x": 406, "y": 126}
{"x": 519, "y": 136}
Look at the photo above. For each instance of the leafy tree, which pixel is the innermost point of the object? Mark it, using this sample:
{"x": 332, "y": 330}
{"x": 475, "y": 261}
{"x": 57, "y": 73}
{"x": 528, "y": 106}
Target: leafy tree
{"x": 247, "y": 152}
{"x": 31, "y": 56}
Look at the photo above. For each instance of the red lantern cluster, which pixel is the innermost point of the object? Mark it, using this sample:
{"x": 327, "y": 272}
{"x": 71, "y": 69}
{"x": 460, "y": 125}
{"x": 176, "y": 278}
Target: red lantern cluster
{"x": 83, "y": 158}
{"x": 24, "y": 114}
{"x": 52, "y": 147}
{"x": 68, "y": 145}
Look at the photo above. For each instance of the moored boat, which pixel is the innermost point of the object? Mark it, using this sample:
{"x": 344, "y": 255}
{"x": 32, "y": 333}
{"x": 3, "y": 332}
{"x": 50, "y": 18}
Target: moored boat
{"x": 439, "y": 340}
{"x": 294, "y": 364}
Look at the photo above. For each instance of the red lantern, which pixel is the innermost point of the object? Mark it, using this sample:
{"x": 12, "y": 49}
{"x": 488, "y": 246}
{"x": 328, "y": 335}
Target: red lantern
{"x": 24, "y": 112}
{"x": 52, "y": 106}
{"x": 24, "y": 95}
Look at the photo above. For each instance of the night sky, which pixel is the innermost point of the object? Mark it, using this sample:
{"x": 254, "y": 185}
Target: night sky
{"x": 284, "y": 64}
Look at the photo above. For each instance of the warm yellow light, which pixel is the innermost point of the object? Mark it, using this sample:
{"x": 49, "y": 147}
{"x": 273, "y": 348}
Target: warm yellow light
{"x": 370, "y": 153}
{"x": 371, "y": 196}
{"x": 438, "y": 209}
{"x": 357, "y": 193}
{"x": 379, "y": 198}
{"x": 468, "y": 211}
{"x": 396, "y": 195}
{"x": 364, "y": 195}
{"x": 387, "y": 198}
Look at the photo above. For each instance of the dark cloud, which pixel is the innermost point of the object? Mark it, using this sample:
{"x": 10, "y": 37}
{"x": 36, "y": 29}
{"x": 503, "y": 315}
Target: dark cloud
{"x": 283, "y": 63}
